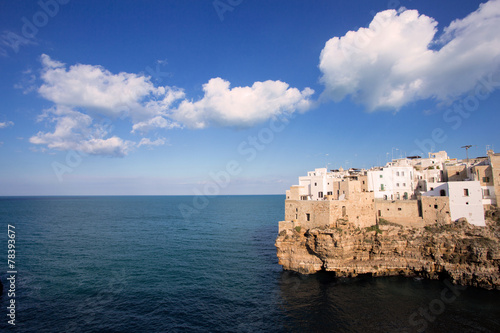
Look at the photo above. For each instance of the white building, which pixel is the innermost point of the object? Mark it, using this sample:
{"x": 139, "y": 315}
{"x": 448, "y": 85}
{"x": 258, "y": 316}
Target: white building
{"x": 466, "y": 200}
{"x": 392, "y": 182}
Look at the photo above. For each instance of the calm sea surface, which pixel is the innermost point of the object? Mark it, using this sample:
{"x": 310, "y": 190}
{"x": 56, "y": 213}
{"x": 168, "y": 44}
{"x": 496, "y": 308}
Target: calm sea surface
{"x": 136, "y": 264}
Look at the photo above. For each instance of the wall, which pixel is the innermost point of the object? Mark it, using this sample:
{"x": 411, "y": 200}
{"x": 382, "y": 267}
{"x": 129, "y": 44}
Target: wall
{"x": 469, "y": 206}
{"x": 450, "y": 173}
{"x": 404, "y": 212}
{"x": 435, "y": 209}
{"x": 495, "y": 170}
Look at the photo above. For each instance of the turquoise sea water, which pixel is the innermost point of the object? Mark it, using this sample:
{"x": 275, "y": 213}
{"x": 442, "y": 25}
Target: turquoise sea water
{"x": 136, "y": 264}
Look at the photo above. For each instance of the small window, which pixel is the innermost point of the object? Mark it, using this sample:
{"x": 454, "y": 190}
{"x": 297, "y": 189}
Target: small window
{"x": 486, "y": 179}
{"x": 382, "y": 187}
{"x": 363, "y": 182}
{"x": 432, "y": 188}
{"x": 435, "y": 206}
{"x": 381, "y": 176}
{"x": 466, "y": 192}
{"x": 404, "y": 184}
{"x": 486, "y": 193}
{"x": 399, "y": 208}
{"x": 457, "y": 173}
{"x": 397, "y": 184}
{"x": 308, "y": 217}
{"x": 329, "y": 193}
{"x": 320, "y": 194}
{"x": 315, "y": 184}
{"x": 467, "y": 203}
{"x": 442, "y": 193}
{"x": 379, "y": 213}
{"x": 397, "y": 173}
{"x": 402, "y": 173}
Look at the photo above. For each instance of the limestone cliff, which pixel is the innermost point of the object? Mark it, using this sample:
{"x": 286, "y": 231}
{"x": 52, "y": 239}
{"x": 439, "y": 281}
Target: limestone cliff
{"x": 461, "y": 252}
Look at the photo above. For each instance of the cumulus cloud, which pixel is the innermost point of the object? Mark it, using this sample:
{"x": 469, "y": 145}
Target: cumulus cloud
{"x": 82, "y": 93}
{"x": 241, "y": 106}
{"x": 6, "y": 124}
{"x": 398, "y": 59}
{"x": 76, "y": 131}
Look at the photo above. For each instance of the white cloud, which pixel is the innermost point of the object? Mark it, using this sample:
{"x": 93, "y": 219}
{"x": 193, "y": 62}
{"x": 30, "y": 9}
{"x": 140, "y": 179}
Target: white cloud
{"x": 397, "y": 59}
{"x": 82, "y": 93}
{"x": 98, "y": 90}
{"x": 156, "y": 122}
{"x": 241, "y": 106}
{"x": 148, "y": 142}
{"x": 6, "y": 124}
{"x": 75, "y": 131}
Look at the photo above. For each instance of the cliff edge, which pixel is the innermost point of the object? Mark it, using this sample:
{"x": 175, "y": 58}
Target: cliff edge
{"x": 463, "y": 253}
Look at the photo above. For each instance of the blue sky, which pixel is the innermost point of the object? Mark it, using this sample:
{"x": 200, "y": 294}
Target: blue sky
{"x": 236, "y": 96}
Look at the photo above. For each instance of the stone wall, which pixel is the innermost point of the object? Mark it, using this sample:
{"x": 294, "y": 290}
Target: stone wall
{"x": 495, "y": 169}
{"x": 436, "y": 210}
{"x": 404, "y": 212}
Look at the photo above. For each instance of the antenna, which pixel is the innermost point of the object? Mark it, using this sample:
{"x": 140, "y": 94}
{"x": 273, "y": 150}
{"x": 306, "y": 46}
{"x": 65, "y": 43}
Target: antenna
{"x": 467, "y": 154}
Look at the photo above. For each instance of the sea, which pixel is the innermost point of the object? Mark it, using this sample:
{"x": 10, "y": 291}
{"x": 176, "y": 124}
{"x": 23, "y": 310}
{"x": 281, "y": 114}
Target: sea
{"x": 197, "y": 264}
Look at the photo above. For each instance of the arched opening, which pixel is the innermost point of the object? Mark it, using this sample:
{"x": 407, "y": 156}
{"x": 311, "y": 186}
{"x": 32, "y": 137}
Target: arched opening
{"x": 442, "y": 193}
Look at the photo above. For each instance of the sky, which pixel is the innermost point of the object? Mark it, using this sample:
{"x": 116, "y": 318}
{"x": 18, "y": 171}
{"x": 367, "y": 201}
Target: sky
{"x": 237, "y": 96}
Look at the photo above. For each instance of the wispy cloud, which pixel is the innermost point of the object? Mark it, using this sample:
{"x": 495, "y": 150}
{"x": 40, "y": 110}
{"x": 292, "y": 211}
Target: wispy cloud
{"x": 6, "y": 124}
{"x": 398, "y": 60}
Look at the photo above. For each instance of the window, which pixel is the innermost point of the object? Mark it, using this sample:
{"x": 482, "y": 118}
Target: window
{"x": 442, "y": 193}
{"x": 385, "y": 197}
{"x": 363, "y": 182}
{"x": 381, "y": 176}
{"x": 486, "y": 179}
{"x": 397, "y": 173}
{"x": 308, "y": 217}
{"x": 486, "y": 193}
{"x": 399, "y": 209}
{"x": 382, "y": 187}
{"x": 315, "y": 184}
{"x": 397, "y": 184}
{"x": 320, "y": 194}
{"x": 405, "y": 196}
{"x": 402, "y": 173}
{"x": 329, "y": 193}
{"x": 457, "y": 173}
{"x": 435, "y": 206}
{"x": 379, "y": 213}
{"x": 343, "y": 211}
{"x": 397, "y": 196}
{"x": 466, "y": 192}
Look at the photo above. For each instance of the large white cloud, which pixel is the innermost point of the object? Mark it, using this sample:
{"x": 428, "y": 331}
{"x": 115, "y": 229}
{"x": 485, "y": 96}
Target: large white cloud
{"x": 96, "y": 89}
{"x": 81, "y": 93}
{"x": 398, "y": 59}
{"x": 241, "y": 106}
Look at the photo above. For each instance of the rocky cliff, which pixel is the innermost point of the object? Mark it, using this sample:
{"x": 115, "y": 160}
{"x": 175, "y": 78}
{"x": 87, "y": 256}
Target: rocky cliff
{"x": 460, "y": 252}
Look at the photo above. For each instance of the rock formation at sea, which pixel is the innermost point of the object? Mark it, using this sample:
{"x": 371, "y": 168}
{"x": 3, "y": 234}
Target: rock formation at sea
{"x": 463, "y": 253}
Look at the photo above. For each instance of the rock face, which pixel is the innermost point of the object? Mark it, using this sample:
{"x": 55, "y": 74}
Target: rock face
{"x": 460, "y": 252}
